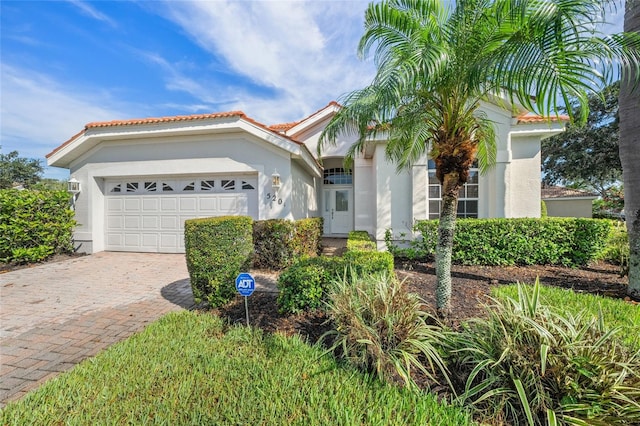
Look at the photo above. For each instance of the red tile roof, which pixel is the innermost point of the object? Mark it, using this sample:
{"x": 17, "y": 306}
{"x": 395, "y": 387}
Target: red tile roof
{"x": 171, "y": 119}
{"x": 527, "y": 119}
{"x": 151, "y": 120}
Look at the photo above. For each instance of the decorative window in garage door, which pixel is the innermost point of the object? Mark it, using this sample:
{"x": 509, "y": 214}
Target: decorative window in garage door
{"x": 159, "y": 186}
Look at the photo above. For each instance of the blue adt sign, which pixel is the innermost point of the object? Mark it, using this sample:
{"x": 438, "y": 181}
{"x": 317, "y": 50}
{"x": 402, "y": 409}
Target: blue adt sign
{"x": 245, "y": 284}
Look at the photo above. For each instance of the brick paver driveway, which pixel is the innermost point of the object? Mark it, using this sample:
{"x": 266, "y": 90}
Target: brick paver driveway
{"x": 55, "y": 315}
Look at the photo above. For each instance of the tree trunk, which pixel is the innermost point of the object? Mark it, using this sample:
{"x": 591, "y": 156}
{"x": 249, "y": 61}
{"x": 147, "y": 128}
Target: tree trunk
{"x": 630, "y": 155}
{"x": 444, "y": 248}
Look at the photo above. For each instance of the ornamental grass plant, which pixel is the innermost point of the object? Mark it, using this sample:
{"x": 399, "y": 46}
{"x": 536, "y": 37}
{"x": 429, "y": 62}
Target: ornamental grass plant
{"x": 380, "y": 328}
{"x": 528, "y": 364}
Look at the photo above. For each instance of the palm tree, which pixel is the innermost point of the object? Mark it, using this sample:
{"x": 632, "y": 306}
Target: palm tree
{"x": 438, "y": 60}
{"x": 630, "y": 155}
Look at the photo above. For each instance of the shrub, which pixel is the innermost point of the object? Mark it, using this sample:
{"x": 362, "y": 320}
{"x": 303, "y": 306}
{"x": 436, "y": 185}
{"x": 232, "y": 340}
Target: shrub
{"x": 565, "y": 241}
{"x": 272, "y": 242}
{"x": 616, "y": 250}
{"x": 217, "y": 250}
{"x": 381, "y": 328}
{"x": 543, "y": 210}
{"x": 278, "y": 242}
{"x": 360, "y": 240}
{"x": 528, "y": 364}
{"x": 34, "y": 225}
{"x": 307, "y": 240}
{"x": 305, "y": 284}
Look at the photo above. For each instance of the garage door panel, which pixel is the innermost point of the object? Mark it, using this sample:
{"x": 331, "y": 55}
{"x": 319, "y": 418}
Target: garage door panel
{"x": 150, "y": 240}
{"x": 114, "y": 204}
{"x": 169, "y": 204}
{"x": 169, "y": 241}
{"x": 188, "y": 204}
{"x": 209, "y": 204}
{"x": 132, "y": 204}
{"x": 169, "y": 223}
{"x": 150, "y": 204}
{"x": 115, "y": 222}
{"x": 114, "y": 240}
{"x": 132, "y": 240}
{"x": 132, "y": 222}
{"x": 150, "y": 222}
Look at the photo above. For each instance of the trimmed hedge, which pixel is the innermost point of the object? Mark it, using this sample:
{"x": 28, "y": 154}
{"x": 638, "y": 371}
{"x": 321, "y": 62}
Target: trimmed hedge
{"x": 305, "y": 284}
{"x": 361, "y": 240}
{"x": 217, "y": 250}
{"x": 34, "y": 225}
{"x": 554, "y": 241}
{"x": 278, "y": 242}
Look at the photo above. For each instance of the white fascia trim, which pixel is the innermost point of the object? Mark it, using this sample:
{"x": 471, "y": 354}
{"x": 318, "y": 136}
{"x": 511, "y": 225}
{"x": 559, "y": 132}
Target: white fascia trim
{"x": 311, "y": 121}
{"x": 310, "y": 161}
{"x": 532, "y": 130}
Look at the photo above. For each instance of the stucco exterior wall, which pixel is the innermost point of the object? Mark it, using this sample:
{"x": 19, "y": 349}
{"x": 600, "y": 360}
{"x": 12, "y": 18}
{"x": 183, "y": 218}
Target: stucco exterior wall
{"x": 364, "y": 184}
{"x": 304, "y": 194}
{"x": 569, "y": 207}
{"x": 523, "y": 185}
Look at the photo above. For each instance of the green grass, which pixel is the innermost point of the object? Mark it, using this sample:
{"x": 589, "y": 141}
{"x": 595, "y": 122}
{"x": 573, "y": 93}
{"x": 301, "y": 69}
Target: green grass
{"x": 615, "y": 313}
{"x": 189, "y": 368}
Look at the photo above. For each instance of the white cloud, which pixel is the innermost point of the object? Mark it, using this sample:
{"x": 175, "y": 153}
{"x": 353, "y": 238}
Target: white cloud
{"x": 305, "y": 51}
{"x": 88, "y": 10}
{"x": 38, "y": 114}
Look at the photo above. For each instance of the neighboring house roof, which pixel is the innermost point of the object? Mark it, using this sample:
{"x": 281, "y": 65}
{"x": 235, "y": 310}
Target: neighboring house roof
{"x": 560, "y": 192}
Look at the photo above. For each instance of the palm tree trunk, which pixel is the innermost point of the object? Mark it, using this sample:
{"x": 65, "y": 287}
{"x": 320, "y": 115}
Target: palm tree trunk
{"x": 444, "y": 247}
{"x": 629, "y": 108}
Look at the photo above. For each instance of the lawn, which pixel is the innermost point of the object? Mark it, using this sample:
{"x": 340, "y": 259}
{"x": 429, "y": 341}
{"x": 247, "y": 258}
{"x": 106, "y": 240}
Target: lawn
{"x": 189, "y": 368}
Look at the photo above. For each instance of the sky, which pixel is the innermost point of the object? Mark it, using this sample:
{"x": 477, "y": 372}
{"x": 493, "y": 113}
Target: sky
{"x": 64, "y": 64}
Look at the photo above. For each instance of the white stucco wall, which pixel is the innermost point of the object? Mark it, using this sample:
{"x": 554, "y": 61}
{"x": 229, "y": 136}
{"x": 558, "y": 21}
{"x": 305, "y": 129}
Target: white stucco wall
{"x": 523, "y": 183}
{"x": 304, "y": 194}
{"x": 364, "y": 184}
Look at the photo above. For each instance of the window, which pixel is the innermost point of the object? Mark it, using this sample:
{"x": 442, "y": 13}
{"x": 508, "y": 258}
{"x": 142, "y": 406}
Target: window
{"x": 467, "y": 197}
{"x": 190, "y": 186}
{"x": 207, "y": 185}
{"x": 150, "y": 186}
{"x": 228, "y": 185}
{"x": 132, "y": 186}
{"x": 246, "y": 185}
{"x": 166, "y": 187}
{"x": 117, "y": 188}
{"x": 338, "y": 176}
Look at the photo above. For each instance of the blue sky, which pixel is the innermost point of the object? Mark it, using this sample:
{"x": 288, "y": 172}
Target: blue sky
{"x": 67, "y": 63}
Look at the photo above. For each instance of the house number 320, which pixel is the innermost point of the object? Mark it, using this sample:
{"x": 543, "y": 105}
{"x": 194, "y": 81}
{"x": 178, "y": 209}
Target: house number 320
{"x": 273, "y": 198}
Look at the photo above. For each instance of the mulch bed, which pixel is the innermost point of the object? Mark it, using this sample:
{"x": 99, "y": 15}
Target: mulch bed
{"x": 471, "y": 285}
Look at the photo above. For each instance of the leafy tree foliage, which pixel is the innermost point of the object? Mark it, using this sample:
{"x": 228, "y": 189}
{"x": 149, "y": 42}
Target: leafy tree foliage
{"x": 18, "y": 170}
{"x": 586, "y": 155}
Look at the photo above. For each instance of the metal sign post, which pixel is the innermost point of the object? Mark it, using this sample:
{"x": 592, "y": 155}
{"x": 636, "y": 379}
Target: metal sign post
{"x": 246, "y": 285}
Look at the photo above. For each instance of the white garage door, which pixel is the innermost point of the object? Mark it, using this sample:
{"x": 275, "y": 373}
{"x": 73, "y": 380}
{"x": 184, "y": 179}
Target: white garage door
{"x": 147, "y": 215}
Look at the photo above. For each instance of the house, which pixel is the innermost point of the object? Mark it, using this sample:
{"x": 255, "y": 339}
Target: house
{"x": 567, "y": 202}
{"x": 141, "y": 179}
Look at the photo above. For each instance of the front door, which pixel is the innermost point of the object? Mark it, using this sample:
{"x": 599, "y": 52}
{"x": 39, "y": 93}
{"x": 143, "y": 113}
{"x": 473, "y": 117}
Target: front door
{"x": 338, "y": 211}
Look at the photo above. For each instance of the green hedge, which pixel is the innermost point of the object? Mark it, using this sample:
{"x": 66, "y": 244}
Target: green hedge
{"x": 278, "y": 242}
{"x": 34, "y": 225}
{"x": 361, "y": 240}
{"x": 555, "y": 241}
{"x": 305, "y": 284}
{"x": 217, "y": 250}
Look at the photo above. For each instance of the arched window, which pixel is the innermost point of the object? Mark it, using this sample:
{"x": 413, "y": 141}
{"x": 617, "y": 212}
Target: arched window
{"x": 338, "y": 176}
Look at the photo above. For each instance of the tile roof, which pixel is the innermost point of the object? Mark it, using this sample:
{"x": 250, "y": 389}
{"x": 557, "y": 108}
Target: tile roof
{"x": 530, "y": 118}
{"x": 155, "y": 120}
{"x": 170, "y": 119}
{"x": 562, "y": 192}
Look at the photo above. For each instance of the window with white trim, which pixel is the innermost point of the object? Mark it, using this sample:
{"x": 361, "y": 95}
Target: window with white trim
{"x": 467, "y": 196}
{"x": 337, "y": 176}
